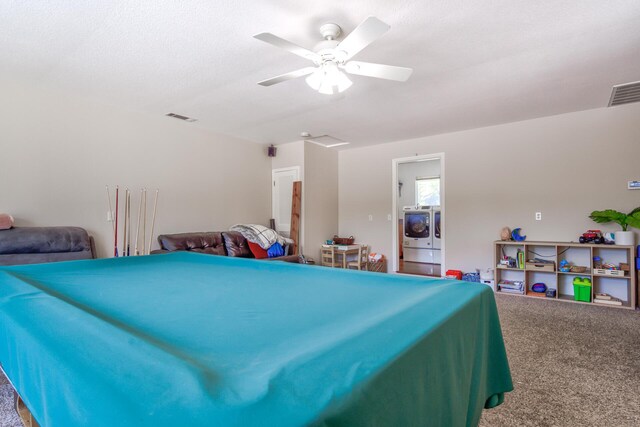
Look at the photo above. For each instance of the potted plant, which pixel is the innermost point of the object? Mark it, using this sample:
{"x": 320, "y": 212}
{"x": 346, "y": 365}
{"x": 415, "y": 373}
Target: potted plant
{"x": 632, "y": 219}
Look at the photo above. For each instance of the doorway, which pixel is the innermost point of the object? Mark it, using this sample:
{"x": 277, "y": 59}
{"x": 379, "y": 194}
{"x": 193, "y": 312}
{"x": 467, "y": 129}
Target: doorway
{"x": 282, "y": 180}
{"x": 418, "y": 215}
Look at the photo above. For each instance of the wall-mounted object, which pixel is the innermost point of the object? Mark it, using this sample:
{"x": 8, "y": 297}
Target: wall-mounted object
{"x": 271, "y": 150}
{"x": 633, "y": 185}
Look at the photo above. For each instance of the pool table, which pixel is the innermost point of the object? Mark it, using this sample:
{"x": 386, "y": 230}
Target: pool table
{"x": 202, "y": 340}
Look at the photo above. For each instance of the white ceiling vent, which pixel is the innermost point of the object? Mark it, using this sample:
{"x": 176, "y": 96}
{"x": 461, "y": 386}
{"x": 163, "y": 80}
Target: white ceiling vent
{"x": 181, "y": 117}
{"x": 625, "y": 93}
{"x": 326, "y": 141}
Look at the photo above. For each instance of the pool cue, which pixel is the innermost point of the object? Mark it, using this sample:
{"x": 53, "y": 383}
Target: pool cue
{"x": 129, "y": 222}
{"x": 124, "y": 225}
{"x": 144, "y": 219}
{"x": 115, "y": 237}
{"x": 153, "y": 220}
{"x": 110, "y": 210}
{"x": 135, "y": 250}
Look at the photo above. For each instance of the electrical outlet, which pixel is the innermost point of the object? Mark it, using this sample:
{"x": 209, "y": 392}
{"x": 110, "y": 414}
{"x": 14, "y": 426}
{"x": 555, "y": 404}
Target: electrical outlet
{"x": 370, "y": 217}
{"x": 538, "y": 216}
{"x": 109, "y": 219}
{"x": 389, "y": 217}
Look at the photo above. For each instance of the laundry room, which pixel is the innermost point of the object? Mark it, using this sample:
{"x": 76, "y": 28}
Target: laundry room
{"x": 420, "y": 217}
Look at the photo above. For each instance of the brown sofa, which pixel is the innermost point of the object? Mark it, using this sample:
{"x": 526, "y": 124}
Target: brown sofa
{"x": 226, "y": 243}
{"x": 34, "y": 245}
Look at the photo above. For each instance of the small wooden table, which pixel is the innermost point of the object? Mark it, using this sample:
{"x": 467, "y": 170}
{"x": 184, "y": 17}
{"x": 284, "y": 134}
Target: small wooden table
{"x": 339, "y": 254}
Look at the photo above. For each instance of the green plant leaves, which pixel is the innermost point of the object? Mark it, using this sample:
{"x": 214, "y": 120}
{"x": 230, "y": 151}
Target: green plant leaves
{"x": 609, "y": 215}
{"x": 624, "y": 220}
{"x": 633, "y": 219}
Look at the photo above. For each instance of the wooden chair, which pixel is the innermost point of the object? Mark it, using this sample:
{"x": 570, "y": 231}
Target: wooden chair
{"x": 328, "y": 256}
{"x": 362, "y": 261}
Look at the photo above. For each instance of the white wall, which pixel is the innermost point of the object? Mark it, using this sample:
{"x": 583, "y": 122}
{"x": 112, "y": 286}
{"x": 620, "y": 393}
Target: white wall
{"x": 564, "y": 166}
{"x": 58, "y": 152}
{"x": 408, "y": 173}
{"x": 321, "y": 197}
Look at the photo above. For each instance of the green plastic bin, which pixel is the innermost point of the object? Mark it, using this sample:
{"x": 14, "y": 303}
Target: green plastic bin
{"x": 582, "y": 293}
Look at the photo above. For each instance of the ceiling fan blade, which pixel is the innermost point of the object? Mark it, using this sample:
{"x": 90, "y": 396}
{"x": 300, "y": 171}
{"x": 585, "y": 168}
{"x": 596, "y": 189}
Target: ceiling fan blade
{"x": 380, "y": 71}
{"x": 287, "y": 45}
{"x": 289, "y": 76}
{"x": 366, "y": 33}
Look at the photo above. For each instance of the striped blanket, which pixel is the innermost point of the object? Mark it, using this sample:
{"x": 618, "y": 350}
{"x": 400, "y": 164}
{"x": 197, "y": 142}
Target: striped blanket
{"x": 261, "y": 235}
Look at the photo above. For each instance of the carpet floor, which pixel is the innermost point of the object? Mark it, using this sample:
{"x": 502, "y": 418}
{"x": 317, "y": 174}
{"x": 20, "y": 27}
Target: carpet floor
{"x": 572, "y": 365}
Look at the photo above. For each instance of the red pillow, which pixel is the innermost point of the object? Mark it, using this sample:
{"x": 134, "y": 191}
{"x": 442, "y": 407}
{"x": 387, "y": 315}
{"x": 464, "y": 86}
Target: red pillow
{"x": 257, "y": 251}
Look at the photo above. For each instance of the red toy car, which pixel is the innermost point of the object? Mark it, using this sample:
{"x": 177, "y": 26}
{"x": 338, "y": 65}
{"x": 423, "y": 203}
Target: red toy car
{"x": 592, "y": 236}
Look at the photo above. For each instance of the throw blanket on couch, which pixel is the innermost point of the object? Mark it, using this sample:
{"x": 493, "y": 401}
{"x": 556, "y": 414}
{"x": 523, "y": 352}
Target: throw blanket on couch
{"x": 263, "y": 236}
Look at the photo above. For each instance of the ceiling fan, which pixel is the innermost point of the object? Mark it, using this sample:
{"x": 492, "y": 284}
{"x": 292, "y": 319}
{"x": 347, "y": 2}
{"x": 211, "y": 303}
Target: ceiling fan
{"x": 331, "y": 57}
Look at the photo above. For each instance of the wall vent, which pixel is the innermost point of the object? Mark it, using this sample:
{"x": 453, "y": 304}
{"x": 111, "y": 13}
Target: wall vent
{"x": 180, "y": 117}
{"x": 326, "y": 141}
{"x": 625, "y": 94}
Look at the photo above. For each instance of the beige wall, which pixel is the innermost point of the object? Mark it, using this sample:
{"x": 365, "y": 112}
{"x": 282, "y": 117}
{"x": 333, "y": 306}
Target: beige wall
{"x": 319, "y": 176}
{"x": 57, "y": 153}
{"x": 321, "y": 197}
{"x": 564, "y": 166}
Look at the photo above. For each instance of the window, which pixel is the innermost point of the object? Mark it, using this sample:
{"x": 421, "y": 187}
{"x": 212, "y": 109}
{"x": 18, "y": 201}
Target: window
{"x": 428, "y": 191}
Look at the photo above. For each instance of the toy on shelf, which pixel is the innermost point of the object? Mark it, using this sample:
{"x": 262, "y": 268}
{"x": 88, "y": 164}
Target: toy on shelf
{"x": 564, "y": 266}
{"x": 539, "y": 288}
{"x": 505, "y": 234}
{"x": 508, "y": 262}
{"x": 592, "y": 236}
{"x": 606, "y": 299}
{"x": 515, "y": 235}
{"x": 551, "y": 293}
{"x": 582, "y": 289}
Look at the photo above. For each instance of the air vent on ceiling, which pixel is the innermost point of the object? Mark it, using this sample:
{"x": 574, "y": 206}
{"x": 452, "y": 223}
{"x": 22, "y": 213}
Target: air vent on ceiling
{"x": 625, "y": 93}
{"x": 181, "y": 117}
{"x": 326, "y": 141}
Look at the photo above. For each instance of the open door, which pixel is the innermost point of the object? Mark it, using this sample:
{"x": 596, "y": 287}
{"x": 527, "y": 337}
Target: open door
{"x": 282, "y": 181}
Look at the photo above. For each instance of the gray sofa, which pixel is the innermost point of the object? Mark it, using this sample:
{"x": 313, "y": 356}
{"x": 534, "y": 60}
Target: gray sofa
{"x": 34, "y": 245}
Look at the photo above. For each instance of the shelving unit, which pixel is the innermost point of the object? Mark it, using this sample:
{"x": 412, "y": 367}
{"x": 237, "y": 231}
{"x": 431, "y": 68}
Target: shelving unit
{"x": 621, "y": 287}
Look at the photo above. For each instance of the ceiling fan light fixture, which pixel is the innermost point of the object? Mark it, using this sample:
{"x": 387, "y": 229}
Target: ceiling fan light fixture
{"x": 332, "y": 58}
{"x": 314, "y": 80}
{"x": 328, "y": 79}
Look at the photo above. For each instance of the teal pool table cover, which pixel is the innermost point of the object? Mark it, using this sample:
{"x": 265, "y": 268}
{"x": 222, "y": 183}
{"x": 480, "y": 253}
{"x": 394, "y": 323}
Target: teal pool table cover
{"x": 187, "y": 339}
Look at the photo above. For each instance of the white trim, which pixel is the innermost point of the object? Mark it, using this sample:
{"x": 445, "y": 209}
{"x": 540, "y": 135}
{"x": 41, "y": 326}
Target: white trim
{"x": 394, "y": 204}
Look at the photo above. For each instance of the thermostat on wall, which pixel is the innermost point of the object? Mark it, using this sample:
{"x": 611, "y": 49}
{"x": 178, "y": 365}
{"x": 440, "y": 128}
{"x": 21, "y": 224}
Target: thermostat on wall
{"x": 633, "y": 185}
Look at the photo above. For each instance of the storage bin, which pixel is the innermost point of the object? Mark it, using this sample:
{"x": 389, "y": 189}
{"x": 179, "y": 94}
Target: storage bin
{"x": 582, "y": 293}
{"x": 536, "y": 266}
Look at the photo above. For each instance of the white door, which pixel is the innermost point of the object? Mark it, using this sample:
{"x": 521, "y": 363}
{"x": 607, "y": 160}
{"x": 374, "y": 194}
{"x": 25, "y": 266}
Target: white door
{"x": 282, "y": 190}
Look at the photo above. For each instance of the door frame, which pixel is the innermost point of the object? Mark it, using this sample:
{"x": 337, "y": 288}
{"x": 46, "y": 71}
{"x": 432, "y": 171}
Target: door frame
{"x": 394, "y": 203}
{"x": 273, "y": 184}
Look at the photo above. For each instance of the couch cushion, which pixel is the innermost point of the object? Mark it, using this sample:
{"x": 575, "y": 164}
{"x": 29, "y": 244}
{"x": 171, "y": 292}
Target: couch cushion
{"x": 44, "y": 240}
{"x": 236, "y": 244}
{"x": 209, "y": 243}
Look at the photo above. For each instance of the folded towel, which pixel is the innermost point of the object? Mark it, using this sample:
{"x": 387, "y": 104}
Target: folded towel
{"x": 6, "y": 221}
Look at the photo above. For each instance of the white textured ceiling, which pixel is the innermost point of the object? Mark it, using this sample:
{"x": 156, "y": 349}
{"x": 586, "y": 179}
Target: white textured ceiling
{"x": 476, "y": 63}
